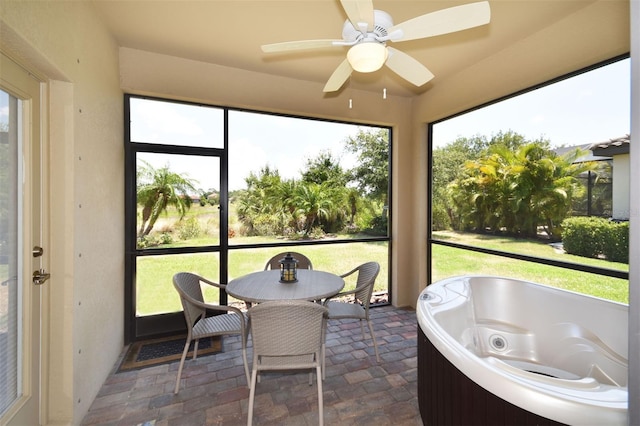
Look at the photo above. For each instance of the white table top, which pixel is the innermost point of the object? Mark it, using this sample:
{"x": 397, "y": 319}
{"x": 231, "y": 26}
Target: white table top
{"x": 263, "y": 286}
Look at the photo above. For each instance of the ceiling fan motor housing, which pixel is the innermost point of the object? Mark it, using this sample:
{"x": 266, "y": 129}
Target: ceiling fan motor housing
{"x": 382, "y": 22}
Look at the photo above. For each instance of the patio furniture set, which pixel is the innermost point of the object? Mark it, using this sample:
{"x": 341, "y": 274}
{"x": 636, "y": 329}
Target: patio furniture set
{"x": 286, "y": 317}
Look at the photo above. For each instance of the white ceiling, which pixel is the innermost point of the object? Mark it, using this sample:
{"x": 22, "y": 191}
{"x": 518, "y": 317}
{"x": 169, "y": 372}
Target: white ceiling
{"x": 230, "y": 33}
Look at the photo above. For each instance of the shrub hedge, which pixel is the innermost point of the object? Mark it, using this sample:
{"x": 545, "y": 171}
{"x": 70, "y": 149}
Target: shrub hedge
{"x": 596, "y": 237}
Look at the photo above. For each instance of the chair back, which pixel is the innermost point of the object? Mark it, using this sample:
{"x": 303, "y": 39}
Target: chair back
{"x": 367, "y": 274}
{"x": 303, "y": 261}
{"x": 287, "y": 328}
{"x": 188, "y": 287}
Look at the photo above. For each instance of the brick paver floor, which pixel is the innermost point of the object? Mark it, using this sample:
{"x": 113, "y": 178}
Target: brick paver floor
{"x": 357, "y": 390}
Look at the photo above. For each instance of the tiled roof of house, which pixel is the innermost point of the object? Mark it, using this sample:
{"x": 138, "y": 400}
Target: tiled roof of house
{"x": 612, "y": 146}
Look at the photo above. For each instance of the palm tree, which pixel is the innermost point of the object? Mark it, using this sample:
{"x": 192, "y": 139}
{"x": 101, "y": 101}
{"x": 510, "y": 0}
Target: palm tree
{"x": 262, "y": 207}
{"x": 314, "y": 202}
{"x": 518, "y": 191}
{"x": 551, "y": 203}
{"x": 483, "y": 193}
{"x": 158, "y": 189}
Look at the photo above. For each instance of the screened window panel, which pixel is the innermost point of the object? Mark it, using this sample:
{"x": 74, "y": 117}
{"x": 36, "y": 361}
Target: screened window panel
{"x": 173, "y": 123}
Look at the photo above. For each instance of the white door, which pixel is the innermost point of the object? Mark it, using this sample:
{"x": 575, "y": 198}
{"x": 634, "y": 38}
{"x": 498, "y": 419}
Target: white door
{"x": 21, "y": 233}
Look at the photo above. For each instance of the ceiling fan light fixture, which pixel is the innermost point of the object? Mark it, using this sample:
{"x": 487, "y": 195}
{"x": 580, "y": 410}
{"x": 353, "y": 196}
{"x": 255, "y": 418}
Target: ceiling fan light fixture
{"x": 367, "y": 31}
{"x": 367, "y": 56}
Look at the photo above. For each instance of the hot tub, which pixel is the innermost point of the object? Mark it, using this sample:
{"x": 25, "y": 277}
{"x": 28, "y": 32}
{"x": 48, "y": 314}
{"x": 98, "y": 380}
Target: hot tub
{"x": 495, "y": 350}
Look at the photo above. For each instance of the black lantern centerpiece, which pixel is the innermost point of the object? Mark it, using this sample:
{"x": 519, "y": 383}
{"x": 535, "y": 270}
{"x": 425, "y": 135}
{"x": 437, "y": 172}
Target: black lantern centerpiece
{"x": 288, "y": 269}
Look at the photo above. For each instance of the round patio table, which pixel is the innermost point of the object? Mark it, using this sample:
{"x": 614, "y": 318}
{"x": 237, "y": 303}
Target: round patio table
{"x": 264, "y": 286}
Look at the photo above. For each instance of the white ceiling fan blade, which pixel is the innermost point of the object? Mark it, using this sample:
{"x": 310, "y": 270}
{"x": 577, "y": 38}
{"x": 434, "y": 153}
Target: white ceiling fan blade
{"x": 339, "y": 76}
{"x": 407, "y": 67}
{"x": 288, "y": 46}
{"x": 359, "y": 12}
{"x": 444, "y": 21}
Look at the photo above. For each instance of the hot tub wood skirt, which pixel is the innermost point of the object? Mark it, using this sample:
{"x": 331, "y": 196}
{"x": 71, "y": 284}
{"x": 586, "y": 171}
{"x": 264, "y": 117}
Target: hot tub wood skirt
{"x": 448, "y": 397}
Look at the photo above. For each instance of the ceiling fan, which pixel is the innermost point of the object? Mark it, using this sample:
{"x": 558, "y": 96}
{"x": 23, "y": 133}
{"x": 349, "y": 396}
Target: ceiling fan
{"x": 367, "y": 32}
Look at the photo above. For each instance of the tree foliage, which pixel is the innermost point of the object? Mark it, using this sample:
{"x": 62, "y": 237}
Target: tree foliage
{"x": 325, "y": 169}
{"x": 371, "y": 174}
{"x": 516, "y": 188}
{"x": 158, "y": 189}
{"x": 260, "y": 205}
{"x": 315, "y": 202}
{"x": 448, "y": 165}
{"x": 325, "y": 199}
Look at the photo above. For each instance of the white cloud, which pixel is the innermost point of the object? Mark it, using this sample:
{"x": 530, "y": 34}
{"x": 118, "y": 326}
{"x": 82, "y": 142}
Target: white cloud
{"x": 538, "y": 118}
{"x": 163, "y": 118}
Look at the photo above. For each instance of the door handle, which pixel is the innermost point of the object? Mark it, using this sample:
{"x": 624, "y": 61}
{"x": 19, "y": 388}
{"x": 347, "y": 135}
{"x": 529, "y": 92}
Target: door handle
{"x": 40, "y": 276}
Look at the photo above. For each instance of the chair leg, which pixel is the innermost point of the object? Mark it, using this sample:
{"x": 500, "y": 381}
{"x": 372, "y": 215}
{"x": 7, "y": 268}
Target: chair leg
{"x": 184, "y": 355}
{"x": 252, "y": 394}
{"x": 195, "y": 348}
{"x": 246, "y": 365}
{"x": 373, "y": 337}
{"x": 323, "y": 360}
{"x": 323, "y": 348}
{"x": 320, "y": 403}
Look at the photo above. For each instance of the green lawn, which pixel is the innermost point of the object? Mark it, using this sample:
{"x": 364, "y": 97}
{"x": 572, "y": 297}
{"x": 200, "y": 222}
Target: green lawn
{"x": 449, "y": 261}
{"x": 155, "y": 292}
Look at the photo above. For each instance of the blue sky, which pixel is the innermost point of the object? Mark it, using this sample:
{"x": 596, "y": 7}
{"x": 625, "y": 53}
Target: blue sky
{"x": 591, "y": 107}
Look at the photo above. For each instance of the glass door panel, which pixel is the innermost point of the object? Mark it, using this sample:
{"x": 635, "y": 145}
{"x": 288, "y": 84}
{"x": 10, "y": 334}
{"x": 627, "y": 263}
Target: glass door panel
{"x": 10, "y": 294}
{"x": 22, "y": 233}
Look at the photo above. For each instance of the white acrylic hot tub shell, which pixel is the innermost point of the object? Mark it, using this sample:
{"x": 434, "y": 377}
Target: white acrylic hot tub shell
{"x": 455, "y": 312}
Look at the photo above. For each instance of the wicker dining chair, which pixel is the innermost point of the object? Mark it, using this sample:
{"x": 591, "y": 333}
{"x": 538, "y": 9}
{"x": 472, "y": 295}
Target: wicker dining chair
{"x": 287, "y": 335}
{"x": 231, "y": 321}
{"x": 358, "y": 307}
